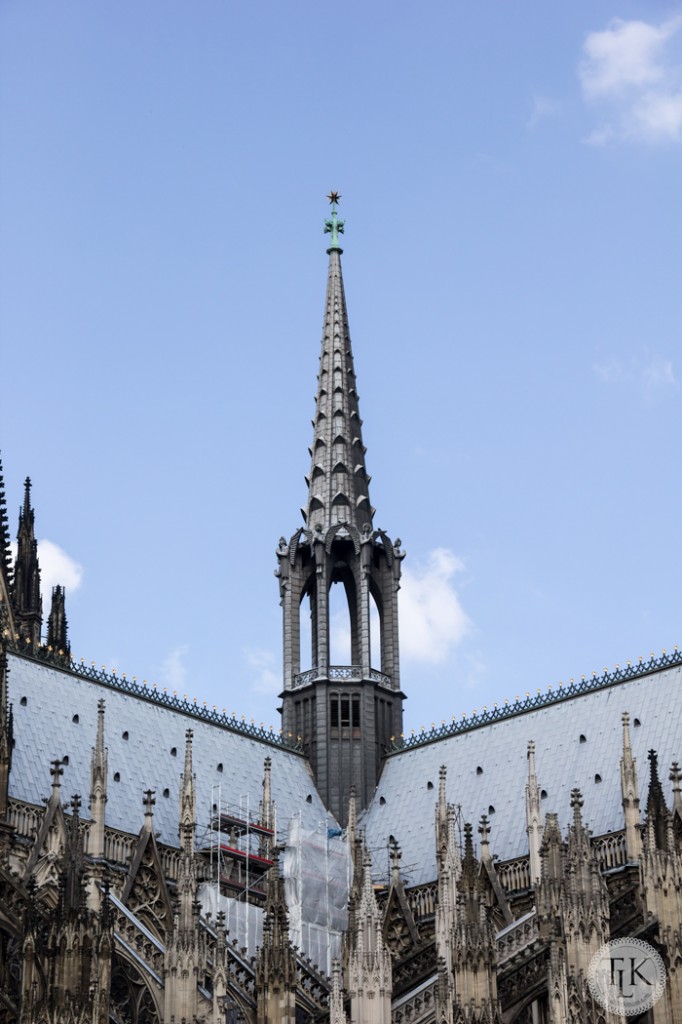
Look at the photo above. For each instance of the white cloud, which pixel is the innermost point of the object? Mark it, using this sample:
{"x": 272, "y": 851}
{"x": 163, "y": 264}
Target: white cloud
{"x": 173, "y": 672}
{"x": 57, "y": 567}
{"x": 658, "y": 116}
{"x": 541, "y": 109}
{"x": 432, "y": 620}
{"x": 659, "y": 373}
{"x": 634, "y": 69}
{"x": 651, "y": 373}
{"x": 266, "y": 678}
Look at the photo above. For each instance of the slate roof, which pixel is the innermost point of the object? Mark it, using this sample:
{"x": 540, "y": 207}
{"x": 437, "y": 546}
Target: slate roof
{"x": 405, "y": 799}
{"x": 59, "y": 717}
{"x": 487, "y": 769}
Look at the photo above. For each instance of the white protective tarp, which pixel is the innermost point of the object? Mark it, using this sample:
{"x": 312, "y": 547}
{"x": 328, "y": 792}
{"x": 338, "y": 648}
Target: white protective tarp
{"x": 316, "y": 867}
{"x": 316, "y": 871}
{"x": 243, "y": 921}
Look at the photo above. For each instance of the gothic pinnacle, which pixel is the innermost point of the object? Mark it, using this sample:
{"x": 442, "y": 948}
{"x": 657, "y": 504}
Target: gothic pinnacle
{"x": 338, "y": 484}
{"x": 26, "y": 511}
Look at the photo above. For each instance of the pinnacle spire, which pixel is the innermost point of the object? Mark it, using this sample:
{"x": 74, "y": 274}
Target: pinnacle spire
{"x": 630, "y": 794}
{"x": 338, "y": 486}
{"x": 27, "y": 510}
{"x": 533, "y": 815}
{"x": 28, "y": 605}
{"x": 6, "y": 612}
{"x": 656, "y": 808}
{"x": 187, "y": 799}
{"x": 57, "y": 625}
{"x": 98, "y": 786}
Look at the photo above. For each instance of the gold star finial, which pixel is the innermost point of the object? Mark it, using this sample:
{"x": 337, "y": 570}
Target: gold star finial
{"x": 334, "y": 197}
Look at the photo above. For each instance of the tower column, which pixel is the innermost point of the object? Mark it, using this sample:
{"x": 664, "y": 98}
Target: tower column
{"x": 345, "y": 715}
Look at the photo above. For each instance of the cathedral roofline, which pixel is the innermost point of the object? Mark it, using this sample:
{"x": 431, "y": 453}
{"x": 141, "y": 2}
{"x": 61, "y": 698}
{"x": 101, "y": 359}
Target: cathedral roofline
{"x": 478, "y": 720}
{"x": 152, "y": 695}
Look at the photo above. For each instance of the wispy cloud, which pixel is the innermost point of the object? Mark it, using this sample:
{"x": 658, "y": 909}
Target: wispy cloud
{"x": 632, "y": 70}
{"x": 432, "y": 620}
{"x": 541, "y": 109}
{"x": 173, "y": 672}
{"x": 265, "y": 676}
{"x": 652, "y": 374}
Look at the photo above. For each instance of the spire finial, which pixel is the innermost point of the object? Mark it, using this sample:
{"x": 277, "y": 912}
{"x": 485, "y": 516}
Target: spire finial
{"x": 27, "y": 497}
{"x": 333, "y": 226}
{"x": 148, "y": 801}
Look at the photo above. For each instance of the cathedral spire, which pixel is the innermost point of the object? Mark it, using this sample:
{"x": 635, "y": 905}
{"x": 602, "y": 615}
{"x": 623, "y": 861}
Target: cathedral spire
{"x": 28, "y": 605}
{"x": 345, "y": 715}
{"x": 338, "y": 485}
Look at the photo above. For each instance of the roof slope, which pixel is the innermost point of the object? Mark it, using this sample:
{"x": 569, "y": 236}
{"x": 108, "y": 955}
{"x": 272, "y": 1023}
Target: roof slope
{"x": 59, "y": 717}
{"x": 487, "y": 769}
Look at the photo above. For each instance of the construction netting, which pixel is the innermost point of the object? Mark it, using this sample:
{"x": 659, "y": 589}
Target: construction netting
{"x": 316, "y": 869}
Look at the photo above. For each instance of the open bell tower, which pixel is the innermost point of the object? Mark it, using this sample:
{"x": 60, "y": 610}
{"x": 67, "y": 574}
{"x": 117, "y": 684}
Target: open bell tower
{"x": 345, "y": 715}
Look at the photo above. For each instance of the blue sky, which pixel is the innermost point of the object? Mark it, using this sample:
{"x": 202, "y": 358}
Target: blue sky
{"x": 511, "y": 181}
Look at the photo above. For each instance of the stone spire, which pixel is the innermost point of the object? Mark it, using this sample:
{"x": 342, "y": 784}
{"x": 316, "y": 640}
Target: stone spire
{"x": 449, "y": 870}
{"x": 656, "y": 808}
{"x": 187, "y": 800}
{"x": 345, "y": 715}
{"x": 276, "y": 975}
{"x": 533, "y": 816}
{"x": 370, "y": 978}
{"x": 57, "y": 625}
{"x": 661, "y": 873}
{"x": 7, "y": 624}
{"x": 676, "y": 779}
{"x": 630, "y": 796}
{"x": 473, "y": 946}
{"x": 266, "y": 811}
{"x": 28, "y": 604}
{"x": 338, "y": 485}
{"x": 585, "y": 904}
{"x": 572, "y": 906}
{"x": 186, "y": 945}
{"x": 337, "y": 1014}
{"x": 98, "y": 788}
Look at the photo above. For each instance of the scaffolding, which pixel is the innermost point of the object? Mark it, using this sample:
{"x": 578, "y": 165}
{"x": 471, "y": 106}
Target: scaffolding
{"x": 239, "y": 848}
{"x": 316, "y": 868}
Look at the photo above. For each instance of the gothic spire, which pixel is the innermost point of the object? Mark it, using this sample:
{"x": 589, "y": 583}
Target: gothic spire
{"x": 57, "y": 625}
{"x": 98, "y": 787}
{"x": 338, "y": 483}
{"x": 28, "y": 605}
{"x": 630, "y": 795}
{"x": 187, "y": 800}
{"x": 533, "y": 816}
{"x": 656, "y": 807}
{"x": 266, "y": 811}
{"x": 358, "y": 705}
{"x": 7, "y": 626}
